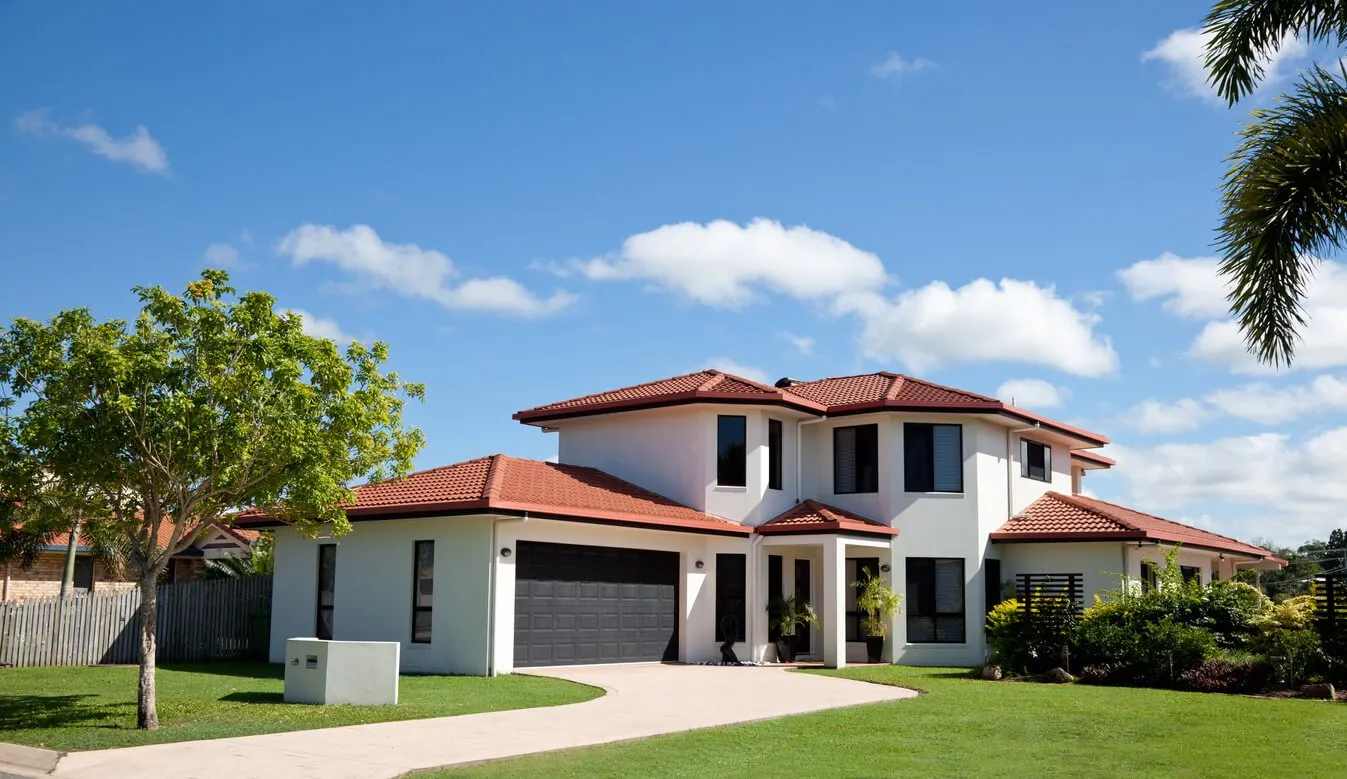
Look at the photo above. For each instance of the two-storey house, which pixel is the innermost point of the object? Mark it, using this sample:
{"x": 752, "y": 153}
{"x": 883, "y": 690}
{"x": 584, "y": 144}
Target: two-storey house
{"x": 680, "y": 509}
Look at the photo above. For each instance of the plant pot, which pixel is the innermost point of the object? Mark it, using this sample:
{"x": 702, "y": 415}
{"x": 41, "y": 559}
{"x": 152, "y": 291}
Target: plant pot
{"x": 874, "y": 648}
{"x": 785, "y": 653}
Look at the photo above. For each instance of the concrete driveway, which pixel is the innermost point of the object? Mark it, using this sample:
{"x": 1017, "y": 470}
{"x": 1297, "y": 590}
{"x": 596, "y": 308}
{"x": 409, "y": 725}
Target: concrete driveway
{"x": 642, "y": 700}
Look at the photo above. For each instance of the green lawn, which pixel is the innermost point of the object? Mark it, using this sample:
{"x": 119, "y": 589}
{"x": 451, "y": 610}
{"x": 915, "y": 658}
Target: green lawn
{"x": 95, "y": 708}
{"x": 963, "y": 727}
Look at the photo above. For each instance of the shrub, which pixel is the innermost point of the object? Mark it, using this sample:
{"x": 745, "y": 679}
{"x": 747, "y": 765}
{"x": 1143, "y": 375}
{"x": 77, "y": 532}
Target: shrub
{"x": 1023, "y": 643}
{"x": 1229, "y": 675}
{"x": 1171, "y": 648}
{"x": 1006, "y": 635}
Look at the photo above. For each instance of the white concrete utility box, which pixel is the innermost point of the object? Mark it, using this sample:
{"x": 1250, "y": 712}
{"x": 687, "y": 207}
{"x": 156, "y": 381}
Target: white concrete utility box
{"x": 362, "y": 673}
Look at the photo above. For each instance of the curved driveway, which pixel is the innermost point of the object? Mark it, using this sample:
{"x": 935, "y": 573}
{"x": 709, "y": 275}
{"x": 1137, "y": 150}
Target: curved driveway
{"x": 642, "y": 700}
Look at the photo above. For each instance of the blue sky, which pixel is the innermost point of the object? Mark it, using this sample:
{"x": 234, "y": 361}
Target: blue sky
{"x": 542, "y": 200}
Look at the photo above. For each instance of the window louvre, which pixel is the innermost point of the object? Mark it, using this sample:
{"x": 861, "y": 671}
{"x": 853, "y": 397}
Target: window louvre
{"x": 731, "y": 451}
{"x": 1035, "y": 460}
{"x": 327, "y": 590}
{"x": 423, "y": 591}
{"x": 855, "y": 459}
{"x": 774, "y": 454}
{"x": 935, "y": 588}
{"x": 932, "y": 457}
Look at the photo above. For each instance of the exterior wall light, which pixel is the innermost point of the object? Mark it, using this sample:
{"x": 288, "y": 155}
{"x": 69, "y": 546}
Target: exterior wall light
{"x": 885, "y": 568}
{"x": 506, "y": 551}
{"x": 700, "y": 564}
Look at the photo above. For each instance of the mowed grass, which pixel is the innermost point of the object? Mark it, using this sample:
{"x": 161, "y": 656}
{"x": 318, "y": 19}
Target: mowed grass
{"x": 95, "y": 707}
{"x": 964, "y": 727}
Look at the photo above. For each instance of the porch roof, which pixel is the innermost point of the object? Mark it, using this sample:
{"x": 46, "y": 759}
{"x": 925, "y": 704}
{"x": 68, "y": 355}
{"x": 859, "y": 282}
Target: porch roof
{"x": 810, "y": 516}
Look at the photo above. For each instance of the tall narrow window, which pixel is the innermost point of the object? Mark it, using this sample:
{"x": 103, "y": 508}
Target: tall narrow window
{"x": 1147, "y": 576}
{"x": 1035, "y": 460}
{"x": 858, "y": 570}
{"x": 1190, "y": 573}
{"x": 774, "y": 454}
{"x": 731, "y": 596}
{"x": 327, "y": 589}
{"x": 932, "y": 457}
{"x": 855, "y": 459}
{"x": 935, "y": 607}
{"x": 84, "y": 573}
{"x": 731, "y": 451}
{"x": 423, "y": 591}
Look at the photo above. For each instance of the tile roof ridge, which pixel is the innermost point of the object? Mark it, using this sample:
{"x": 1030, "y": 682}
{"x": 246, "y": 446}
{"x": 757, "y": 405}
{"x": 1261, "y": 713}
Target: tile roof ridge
{"x": 1174, "y": 522}
{"x": 716, "y": 378}
{"x": 1083, "y": 504}
{"x": 956, "y": 390}
{"x": 495, "y": 476}
{"x": 889, "y": 374}
{"x": 895, "y": 386}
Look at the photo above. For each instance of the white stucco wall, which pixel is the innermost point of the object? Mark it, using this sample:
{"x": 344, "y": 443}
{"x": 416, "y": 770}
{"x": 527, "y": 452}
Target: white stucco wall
{"x": 672, "y": 451}
{"x": 1101, "y": 564}
{"x": 373, "y": 595}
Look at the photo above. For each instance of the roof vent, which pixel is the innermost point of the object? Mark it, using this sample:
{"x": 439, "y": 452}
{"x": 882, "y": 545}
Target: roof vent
{"x": 786, "y": 381}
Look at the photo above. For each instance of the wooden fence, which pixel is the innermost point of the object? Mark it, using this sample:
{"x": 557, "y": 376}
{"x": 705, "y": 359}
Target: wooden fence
{"x": 213, "y": 619}
{"x": 1036, "y": 590}
{"x": 1330, "y": 603}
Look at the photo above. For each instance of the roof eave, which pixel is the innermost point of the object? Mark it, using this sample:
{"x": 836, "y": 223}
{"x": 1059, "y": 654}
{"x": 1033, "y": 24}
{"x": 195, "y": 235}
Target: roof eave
{"x": 539, "y": 416}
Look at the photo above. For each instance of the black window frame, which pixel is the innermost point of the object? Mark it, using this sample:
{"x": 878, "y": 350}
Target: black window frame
{"x": 1027, "y": 448}
{"x": 731, "y": 470}
{"x": 732, "y": 594}
{"x": 330, "y": 608}
{"x": 1148, "y": 575}
{"x": 919, "y": 466}
{"x": 922, "y": 601}
{"x": 774, "y": 453}
{"x": 417, "y": 607}
{"x": 865, "y": 443}
{"x": 83, "y": 578}
{"x": 1191, "y": 573}
{"x": 854, "y": 631}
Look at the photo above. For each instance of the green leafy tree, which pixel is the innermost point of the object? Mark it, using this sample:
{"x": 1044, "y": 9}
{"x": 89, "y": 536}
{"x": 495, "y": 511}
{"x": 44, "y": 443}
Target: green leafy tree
{"x": 207, "y": 403}
{"x": 1285, "y": 194}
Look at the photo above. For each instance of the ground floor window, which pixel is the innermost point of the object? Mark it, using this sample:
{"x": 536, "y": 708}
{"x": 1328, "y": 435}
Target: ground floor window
{"x": 1191, "y": 573}
{"x": 731, "y": 597}
{"x": 327, "y": 589}
{"x": 935, "y": 600}
{"x": 423, "y": 591}
{"x": 1147, "y": 576}
{"x": 858, "y": 570}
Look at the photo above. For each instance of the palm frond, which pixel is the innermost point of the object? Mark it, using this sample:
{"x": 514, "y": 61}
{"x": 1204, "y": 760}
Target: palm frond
{"x": 1245, "y": 32}
{"x": 1284, "y": 205}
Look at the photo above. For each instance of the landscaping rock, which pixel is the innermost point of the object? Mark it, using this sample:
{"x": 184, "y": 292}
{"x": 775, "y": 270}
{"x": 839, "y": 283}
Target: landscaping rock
{"x": 1058, "y": 676}
{"x": 992, "y": 673}
{"x": 1324, "y": 691}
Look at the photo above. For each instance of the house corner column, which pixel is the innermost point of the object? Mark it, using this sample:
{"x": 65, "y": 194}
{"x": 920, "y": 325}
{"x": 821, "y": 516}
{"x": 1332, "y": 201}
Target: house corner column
{"x": 834, "y": 603}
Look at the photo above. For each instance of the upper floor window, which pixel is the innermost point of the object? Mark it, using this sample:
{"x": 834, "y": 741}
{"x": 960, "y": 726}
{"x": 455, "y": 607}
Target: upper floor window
{"x": 856, "y": 459}
{"x": 933, "y": 457}
{"x": 731, "y": 451}
{"x": 1035, "y": 460}
{"x": 773, "y": 454}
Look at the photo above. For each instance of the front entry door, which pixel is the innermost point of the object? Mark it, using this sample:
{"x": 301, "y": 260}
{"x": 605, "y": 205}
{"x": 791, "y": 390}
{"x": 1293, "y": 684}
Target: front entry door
{"x": 802, "y": 586}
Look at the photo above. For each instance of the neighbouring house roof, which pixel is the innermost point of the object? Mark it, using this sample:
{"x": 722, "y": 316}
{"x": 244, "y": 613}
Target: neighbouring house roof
{"x": 1058, "y": 517}
{"x": 810, "y": 516}
{"x": 709, "y": 386}
{"x": 59, "y": 541}
{"x": 503, "y": 484}
{"x": 1093, "y": 458}
{"x": 833, "y": 396}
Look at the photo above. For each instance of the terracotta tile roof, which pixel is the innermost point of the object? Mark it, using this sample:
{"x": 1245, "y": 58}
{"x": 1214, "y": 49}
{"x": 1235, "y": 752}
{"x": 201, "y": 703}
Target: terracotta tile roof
{"x": 702, "y": 386}
{"x": 500, "y": 483}
{"x": 1058, "y": 517}
{"x": 1093, "y": 457}
{"x": 810, "y": 516}
{"x": 837, "y": 395}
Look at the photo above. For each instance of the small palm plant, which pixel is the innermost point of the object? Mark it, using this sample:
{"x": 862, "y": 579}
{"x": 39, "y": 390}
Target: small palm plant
{"x": 877, "y": 602}
{"x": 787, "y": 616}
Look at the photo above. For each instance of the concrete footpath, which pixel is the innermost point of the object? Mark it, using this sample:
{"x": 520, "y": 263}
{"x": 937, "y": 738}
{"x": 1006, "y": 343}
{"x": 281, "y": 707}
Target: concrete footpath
{"x": 641, "y": 701}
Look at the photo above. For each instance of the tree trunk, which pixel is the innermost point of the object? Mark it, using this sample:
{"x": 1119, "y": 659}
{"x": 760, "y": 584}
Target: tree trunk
{"x": 147, "y": 713}
{"x": 72, "y": 545}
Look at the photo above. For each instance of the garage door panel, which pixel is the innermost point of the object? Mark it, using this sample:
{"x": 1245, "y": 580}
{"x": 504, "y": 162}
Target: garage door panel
{"x": 581, "y": 604}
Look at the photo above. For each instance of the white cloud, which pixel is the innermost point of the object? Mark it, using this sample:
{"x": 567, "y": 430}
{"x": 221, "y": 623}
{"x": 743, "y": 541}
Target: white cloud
{"x": 1291, "y": 490}
{"x": 1269, "y": 406}
{"x": 322, "y": 327}
{"x": 723, "y": 264}
{"x": 895, "y": 66}
{"x": 409, "y": 270}
{"x": 727, "y": 365}
{"x": 1155, "y": 416}
{"x": 140, "y": 149}
{"x": 1184, "y": 54}
{"x": 802, "y": 343}
{"x": 220, "y": 255}
{"x": 1033, "y": 393}
{"x": 1188, "y": 287}
{"x": 982, "y": 321}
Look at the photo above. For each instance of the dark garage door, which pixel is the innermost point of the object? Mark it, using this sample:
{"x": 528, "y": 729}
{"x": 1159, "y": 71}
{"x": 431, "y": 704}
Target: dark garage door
{"x": 594, "y": 604}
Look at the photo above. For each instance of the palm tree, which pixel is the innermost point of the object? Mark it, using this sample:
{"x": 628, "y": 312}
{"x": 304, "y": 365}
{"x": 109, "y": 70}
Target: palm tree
{"x": 1285, "y": 195}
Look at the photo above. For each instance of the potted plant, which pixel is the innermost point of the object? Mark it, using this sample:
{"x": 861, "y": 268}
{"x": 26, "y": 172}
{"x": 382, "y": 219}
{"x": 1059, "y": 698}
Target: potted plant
{"x": 877, "y": 603}
{"x": 787, "y": 615}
